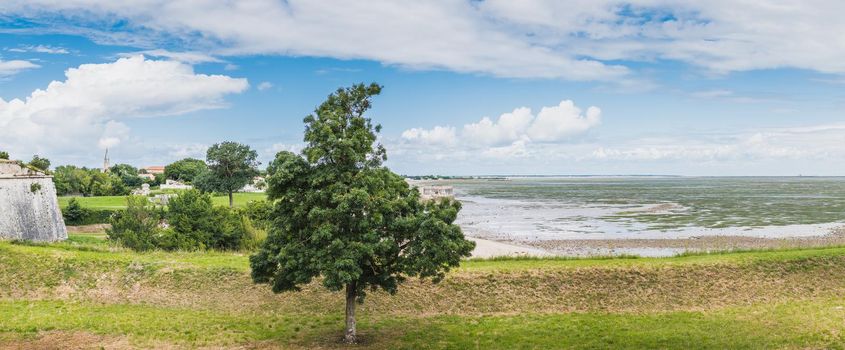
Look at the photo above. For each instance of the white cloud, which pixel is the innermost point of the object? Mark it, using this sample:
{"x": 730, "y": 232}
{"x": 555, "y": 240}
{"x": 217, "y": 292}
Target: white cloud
{"x": 264, "y": 85}
{"x": 439, "y": 135}
{"x": 190, "y": 150}
{"x": 279, "y": 147}
{"x": 113, "y": 133}
{"x": 516, "y": 149}
{"x": 88, "y": 108}
{"x": 512, "y": 134}
{"x": 509, "y": 127}
{"x": 562, "y": 121}
{"x": 453, "y": 35}
{"x": 13, "y": 67}
{"x": 41, "y": 49}
{"x": 574, "y": 40}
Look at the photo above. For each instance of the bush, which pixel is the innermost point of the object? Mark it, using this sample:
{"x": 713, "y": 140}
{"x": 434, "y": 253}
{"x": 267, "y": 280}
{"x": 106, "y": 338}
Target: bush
{"x": 197, "y": 224}
{"x": 192, "y": 219}
{"x": 259, "y": 213}
{"x": 194, "y": 224}
{"x": 137, "y": 226}
{"x": 75, "y": 214}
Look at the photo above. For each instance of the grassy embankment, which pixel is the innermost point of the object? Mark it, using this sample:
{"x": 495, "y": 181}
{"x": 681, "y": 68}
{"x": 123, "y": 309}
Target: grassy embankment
{"x": 86, "y": 292}
{"x": 119, "y": 202}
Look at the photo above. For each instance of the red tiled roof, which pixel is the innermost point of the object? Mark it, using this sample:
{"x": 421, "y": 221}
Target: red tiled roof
{"x": 155, "y": 169}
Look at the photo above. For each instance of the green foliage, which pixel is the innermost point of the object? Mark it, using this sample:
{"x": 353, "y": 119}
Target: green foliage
{"x": 185, "y": 170}
{"x": 194, "y": 224}
{"x": 159, "y": 179}
{"x": 127, "y": 174}
{"x": 35, "y": 187}
{"x": 253, "y": 237}
{"x": 71, "y": 180}
{"x": 74, "y": 212}
{"x": 40, "y": 163}
{"x": 4, "y": 155}
{"x": 341, "y": 215}
{"x": 259, "y": 213}
{"x": 136, "y": 227}
{"x": 107, "y": 184}
{"x": 231, "y": 166}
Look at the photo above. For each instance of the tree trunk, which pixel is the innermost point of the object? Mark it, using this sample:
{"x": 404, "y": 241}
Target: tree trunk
{"x": 351, "y": 294}
{"x": 231, "y": 200}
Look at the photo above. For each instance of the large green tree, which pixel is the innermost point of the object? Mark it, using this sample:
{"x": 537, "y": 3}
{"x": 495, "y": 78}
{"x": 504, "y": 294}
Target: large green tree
{"x": 231, "y": 166}
{"x": 185, "y": 170}
{"x": 341, "y": 215}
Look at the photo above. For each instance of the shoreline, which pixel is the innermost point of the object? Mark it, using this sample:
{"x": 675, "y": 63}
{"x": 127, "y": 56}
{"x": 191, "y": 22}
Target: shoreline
{"x": 648, "y": 247}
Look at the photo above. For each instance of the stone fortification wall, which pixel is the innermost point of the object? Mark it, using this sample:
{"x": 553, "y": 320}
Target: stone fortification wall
{"x": 29, "y": 208}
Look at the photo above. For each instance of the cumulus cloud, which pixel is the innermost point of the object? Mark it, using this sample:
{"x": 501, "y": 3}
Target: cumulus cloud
{"x": 508, "y": 128}
{"x": 552, "y": 124}
{"x": 89, "y": 107}
{"x": 564, "y": 120}
{"x": 513, "y": 133}
{"x": 13, "y": 67}
{"x": 439, "y": 135}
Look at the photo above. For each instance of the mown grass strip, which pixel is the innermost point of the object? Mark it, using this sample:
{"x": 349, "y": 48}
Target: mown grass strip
{"x": 755, "y": 327}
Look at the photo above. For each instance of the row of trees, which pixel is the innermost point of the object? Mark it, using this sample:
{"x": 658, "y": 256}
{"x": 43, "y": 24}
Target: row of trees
{"x": 230, "y": 167}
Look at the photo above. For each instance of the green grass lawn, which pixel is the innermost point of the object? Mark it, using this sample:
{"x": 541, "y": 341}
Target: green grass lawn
{"x": 87, "y": 291}
{"x": 119, "y": 202}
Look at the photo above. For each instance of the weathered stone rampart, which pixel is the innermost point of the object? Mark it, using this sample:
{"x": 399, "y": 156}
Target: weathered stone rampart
{"x": 29, "y": 208}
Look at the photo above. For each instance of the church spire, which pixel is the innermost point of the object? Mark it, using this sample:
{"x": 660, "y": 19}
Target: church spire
{"x": 106, "y": 165}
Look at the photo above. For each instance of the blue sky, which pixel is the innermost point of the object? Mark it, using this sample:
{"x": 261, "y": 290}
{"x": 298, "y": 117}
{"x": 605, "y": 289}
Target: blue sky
{"x": 613, "y": 87}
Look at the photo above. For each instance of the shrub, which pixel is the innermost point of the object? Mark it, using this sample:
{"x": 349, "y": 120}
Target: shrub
{"x": 137, "y": 226}
{"x": 192, "y": 219}
{"x": 259, "y": 213}
{"x": 74, "y": 212}
{"x": 195, "y": 224}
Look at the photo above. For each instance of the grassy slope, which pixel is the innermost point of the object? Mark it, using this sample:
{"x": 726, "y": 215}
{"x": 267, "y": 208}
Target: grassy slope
{"x": 780, "y": 299}
{"x": 119, "y": 202}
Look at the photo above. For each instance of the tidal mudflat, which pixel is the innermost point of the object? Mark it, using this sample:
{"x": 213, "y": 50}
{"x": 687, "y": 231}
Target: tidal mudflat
{"x": 653, "y": 216}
